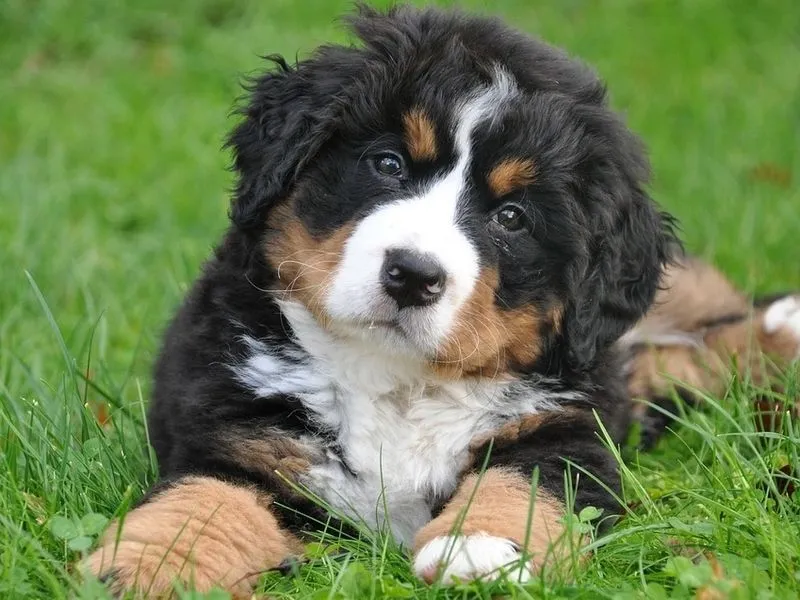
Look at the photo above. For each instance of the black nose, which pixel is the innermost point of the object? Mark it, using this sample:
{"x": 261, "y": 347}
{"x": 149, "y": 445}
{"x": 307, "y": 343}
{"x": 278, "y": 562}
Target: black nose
{"x": 412, "y": 279}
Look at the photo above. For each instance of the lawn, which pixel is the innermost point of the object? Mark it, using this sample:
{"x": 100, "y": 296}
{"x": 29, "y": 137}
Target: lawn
{"x": 114, "y": 187}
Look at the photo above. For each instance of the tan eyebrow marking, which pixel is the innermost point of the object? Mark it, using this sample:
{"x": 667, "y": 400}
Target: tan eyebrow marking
{"x": 420, "y": 135}
{"x": 511, "y": 174}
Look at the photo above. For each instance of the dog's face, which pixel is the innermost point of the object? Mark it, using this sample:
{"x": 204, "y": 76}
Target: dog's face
{"x": 451, "y": 191}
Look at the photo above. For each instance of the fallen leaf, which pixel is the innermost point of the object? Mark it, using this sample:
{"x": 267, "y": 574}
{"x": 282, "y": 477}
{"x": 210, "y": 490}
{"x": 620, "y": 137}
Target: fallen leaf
{"x": 771, "y": 173}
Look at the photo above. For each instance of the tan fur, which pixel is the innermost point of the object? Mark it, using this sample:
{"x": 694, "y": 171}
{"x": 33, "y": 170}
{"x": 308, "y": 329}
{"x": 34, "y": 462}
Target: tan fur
{"x": 695, "y": 293}
{"x": 511, "y": 432}
{"x": 556, "y": 315}
{"x": 487, "y": 338}
{"x": 748, "y": 338}
{"x": 419, "y": 135}
{"x": 656, "y": 369}
{"x": 510, "y": 175}
{"x": 305, "y": 264}
{"x": 204, "y": 532}
{"x": 274, "y": 452}
{"x": 498, "y": 503}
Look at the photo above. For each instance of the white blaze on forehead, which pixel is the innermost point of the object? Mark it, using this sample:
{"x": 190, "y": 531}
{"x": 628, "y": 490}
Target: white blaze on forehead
{"x": 427, "y": 223}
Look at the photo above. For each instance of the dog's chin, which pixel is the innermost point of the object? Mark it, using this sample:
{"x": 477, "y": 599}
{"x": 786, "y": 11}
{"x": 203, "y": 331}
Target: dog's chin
{"x": 405, "y": 334}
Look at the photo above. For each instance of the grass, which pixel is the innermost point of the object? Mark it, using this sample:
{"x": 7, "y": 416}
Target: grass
{"x": 113, "y": 187}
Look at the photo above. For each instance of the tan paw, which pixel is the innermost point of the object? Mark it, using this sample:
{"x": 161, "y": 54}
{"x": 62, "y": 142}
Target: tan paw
{"x": 152, "y": 571}
{"x": 201, "y": 533}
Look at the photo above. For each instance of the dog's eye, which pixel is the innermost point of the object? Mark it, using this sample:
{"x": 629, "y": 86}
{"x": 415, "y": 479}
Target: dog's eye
{"x": 390, "y": 164}
{"x": 510, "y": 218}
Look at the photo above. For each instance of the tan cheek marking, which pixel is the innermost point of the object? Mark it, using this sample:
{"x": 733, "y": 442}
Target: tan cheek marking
{"x": 510, "y": 175}
{"x": 202, "y": 531}
{"x": 498, "y": 503}
{"x": 305, "y": 264}
{"x": 487, "y": 339}
{"x": 523, "y": 327}
{"x": 419, "y": 135}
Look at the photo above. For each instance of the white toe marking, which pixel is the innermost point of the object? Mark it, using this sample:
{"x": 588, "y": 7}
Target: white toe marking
{"x": 469, "y": 557}
{"x": 783, "y": 313}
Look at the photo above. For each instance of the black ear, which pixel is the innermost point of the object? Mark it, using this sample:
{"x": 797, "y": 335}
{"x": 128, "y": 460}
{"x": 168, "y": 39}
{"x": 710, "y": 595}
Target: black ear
{"x": 614, "y": 283}
{"x": 290, "y": 113}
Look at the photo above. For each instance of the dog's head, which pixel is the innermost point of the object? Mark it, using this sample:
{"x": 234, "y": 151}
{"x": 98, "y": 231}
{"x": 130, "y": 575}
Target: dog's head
{"x": 452, "y": 190}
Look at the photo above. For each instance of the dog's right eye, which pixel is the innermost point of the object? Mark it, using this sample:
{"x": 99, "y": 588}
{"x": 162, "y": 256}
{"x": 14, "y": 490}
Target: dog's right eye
{"x": 390, "y": 164}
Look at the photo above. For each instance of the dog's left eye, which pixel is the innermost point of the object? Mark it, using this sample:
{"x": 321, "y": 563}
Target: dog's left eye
{"x": 510, "y": 218}
{"x": 390, "y": 164}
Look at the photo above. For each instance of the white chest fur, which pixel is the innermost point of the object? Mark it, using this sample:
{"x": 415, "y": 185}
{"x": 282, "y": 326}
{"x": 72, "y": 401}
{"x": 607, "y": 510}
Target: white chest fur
{"x": 402, "y": 436}
{"x": 403, "y": 450}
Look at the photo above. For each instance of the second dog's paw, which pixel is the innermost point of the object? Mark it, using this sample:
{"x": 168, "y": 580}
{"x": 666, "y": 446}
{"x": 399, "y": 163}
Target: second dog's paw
{"x": 470, "y": 557}
{"x": 784, "y": 314}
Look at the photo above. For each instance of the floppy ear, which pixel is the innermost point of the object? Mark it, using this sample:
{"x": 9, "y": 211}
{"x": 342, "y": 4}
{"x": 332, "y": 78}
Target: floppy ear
{"x": 291, "y": 112}
{"x": 616, "y": 285}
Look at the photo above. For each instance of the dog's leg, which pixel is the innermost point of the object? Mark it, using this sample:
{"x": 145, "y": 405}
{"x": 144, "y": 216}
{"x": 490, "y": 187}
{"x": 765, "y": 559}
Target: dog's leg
{"x": 701, "y": 331}
{"x": 496, "y": 506}
{"x": 758, "y": 346}
{"x": 496, "y": 522}
{"x": 199, "y": 531}
{"x": 769, "y": 338}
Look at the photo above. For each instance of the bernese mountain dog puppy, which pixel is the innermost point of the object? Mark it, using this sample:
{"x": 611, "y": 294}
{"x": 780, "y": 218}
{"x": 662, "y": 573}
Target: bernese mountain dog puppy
{"x": 435, "y": 284}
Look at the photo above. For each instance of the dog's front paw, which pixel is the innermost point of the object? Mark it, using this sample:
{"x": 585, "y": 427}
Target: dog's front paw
{"x": 198, "y": 533}
{"x": 127, "y": 568}
{"x": 469, "y": 557}
{"x": 151, "y": 571}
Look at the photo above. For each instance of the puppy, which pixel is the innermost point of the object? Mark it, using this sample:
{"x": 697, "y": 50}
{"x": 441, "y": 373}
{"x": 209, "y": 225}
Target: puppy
{"x": 440, "y": 242}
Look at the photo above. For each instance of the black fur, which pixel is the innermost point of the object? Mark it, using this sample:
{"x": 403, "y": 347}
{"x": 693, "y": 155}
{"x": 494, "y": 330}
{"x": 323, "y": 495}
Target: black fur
{"x": 596, "y": 246}
{"x": 550, "y": 449}
{"x": 655, "y": 422}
